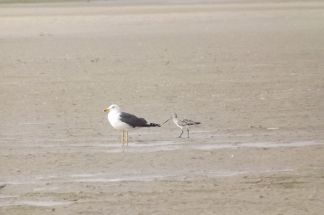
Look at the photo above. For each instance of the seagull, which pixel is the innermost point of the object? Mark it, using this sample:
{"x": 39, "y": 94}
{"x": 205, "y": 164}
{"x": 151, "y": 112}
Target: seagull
{"x": 184, "y": 123}
{"x": 125, "y": 121}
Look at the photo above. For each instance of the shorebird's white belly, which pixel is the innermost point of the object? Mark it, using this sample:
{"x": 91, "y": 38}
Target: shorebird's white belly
{"x": 115, "y": 122}
{"x": 176, "y": 122}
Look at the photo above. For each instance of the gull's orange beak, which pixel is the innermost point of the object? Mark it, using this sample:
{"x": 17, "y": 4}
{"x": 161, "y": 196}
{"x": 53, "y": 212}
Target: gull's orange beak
{"x": 106, "y": 110}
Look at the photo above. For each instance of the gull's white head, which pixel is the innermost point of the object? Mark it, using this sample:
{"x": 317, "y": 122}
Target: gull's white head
{"x": 112, "y": 107}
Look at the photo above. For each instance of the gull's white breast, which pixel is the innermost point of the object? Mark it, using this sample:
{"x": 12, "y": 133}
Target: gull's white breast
{"x": 114, "y": 120}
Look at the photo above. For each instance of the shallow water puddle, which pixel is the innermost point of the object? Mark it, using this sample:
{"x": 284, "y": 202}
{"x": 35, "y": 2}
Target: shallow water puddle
{"x": 172, "y": 146}
{"x": 135, "y": 177}
{"x": 146, "y": 178}
{"x": 49, "y": 203}
{"x": 157, "y": 146}
{"x": 255, "y": 145}
{"x": 43, "y": 203}
{"x": 7, "y": 197}
{"x": 174, "y": 177}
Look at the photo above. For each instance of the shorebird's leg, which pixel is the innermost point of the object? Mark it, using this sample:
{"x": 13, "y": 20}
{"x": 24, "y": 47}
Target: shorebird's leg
{"x": 127, "y": 138}
{"x": 181, "y": 133}
{"x": 188, "y": 132}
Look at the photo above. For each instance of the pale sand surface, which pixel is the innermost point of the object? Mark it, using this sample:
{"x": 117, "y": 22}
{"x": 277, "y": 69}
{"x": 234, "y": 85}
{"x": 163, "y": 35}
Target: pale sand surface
{"x": 252, "y": 73}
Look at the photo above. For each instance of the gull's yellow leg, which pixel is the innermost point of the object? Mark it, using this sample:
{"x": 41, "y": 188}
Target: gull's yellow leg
{"x": 127, "y": 138}
{"x": 123, "y": 138}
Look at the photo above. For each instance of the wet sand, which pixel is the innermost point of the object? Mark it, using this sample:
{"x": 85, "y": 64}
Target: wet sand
{"x": 252, "y": 73}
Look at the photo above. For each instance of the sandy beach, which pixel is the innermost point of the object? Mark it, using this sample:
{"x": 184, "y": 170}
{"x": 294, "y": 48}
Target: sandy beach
{"x": 251, "y": 72}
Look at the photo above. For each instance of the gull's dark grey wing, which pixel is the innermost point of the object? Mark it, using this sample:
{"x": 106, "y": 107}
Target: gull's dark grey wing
{"x": 132, "y": 120}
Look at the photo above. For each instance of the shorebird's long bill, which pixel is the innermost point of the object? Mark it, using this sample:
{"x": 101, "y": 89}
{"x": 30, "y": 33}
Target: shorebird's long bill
{"x": 106, "y": 110}
{"x": 166, "y": 121}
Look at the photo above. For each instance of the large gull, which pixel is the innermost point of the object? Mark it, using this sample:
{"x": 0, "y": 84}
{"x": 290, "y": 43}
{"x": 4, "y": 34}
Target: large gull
{"x": 124, "y": 121}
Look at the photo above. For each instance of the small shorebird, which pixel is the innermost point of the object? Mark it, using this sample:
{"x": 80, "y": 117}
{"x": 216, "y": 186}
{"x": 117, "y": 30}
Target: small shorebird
{"x": 184, "y": 123}
{"x": 125, "y": 121}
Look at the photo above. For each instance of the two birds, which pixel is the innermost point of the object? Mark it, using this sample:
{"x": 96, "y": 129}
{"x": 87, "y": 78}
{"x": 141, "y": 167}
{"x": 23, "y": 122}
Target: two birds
{"x": 125, "y": 121}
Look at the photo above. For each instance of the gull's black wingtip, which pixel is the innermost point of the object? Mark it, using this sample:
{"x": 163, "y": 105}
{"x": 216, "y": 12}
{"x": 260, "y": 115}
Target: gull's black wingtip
{"x": 154, "y": 125}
